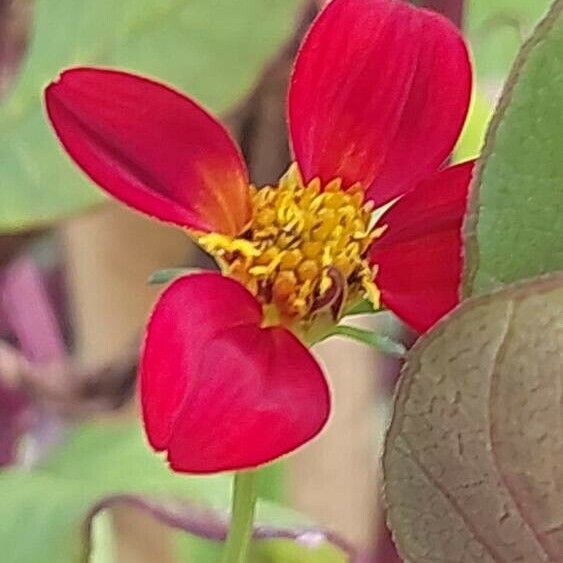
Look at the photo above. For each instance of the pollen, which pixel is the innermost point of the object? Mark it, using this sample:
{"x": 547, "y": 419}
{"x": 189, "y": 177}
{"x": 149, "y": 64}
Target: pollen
{"x": 305, "y": 250}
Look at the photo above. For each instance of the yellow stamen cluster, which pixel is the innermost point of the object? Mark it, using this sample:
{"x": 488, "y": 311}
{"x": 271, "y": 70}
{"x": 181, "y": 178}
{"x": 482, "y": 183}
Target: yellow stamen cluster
{"x": 302, "y": 241}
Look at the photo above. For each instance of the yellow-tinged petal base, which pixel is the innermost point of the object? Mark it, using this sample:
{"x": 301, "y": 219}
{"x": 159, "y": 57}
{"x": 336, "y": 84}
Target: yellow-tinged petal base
{"x": 305, "y": 250}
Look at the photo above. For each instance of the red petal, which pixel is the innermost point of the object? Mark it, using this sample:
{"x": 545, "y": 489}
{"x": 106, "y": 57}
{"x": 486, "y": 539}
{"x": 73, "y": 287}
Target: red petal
{"x": 420, "y": 254}
{"x": 152, "y": 148}
{"x": 379, "y": 95}
{"x": 219, "y": 392}
{"x": 190, "y": 312}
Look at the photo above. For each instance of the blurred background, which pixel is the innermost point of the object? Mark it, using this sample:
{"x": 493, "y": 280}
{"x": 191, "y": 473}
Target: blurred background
{"x": 75, "y": 473}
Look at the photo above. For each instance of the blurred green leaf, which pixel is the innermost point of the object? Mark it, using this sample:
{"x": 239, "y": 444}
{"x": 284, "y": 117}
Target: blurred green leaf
{"x": 44, "y": 512}
{"x": 515, "y": 220}
{"x": 380, "y": 342}
{"x": 284, "y": 551}
{"x": 497, "y": 30}
{"x": 87, "y": 454}
{"x": 212, "y": 50}
{"x": 472, "y": 137}
{"x": 363, "y": 307}
{"x": 190, "y": 548}
{"x": 103, "y": 545}
{"x": 473, "y": 454}
{"x": 263, "y": 551}
{"x": 169, "y": 274}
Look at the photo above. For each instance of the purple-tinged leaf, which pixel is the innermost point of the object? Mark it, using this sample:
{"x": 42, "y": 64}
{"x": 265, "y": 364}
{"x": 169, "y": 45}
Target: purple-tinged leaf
{"x": 452, "y": 9}
{"x": 101, "y": 466}
{"x": 16, "y": 416}
{"x": 212, "y": 525}
{"x": 26, "y": 308}
{"x": 385, "y": 550}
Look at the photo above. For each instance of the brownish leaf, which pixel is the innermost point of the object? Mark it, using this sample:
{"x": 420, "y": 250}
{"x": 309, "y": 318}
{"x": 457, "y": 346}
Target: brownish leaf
{"x": 15, "y": 20}
{"x": 474, "y": 455}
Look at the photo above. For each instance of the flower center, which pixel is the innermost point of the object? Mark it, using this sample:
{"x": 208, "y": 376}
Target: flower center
{"x": 305, "y": 250}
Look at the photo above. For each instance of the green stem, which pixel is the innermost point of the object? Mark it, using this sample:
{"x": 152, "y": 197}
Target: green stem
{"x": 242, "y": 518}
{"x": 381, "y": 342}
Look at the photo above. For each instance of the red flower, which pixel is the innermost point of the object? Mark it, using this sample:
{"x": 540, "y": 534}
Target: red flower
{"x": 378, "y": 97}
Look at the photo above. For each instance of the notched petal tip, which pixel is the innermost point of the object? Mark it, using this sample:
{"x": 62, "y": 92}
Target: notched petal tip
{"x": 219, "y": 392}
{"x": 188, "y": 313}
{"x": 258, "y": 395}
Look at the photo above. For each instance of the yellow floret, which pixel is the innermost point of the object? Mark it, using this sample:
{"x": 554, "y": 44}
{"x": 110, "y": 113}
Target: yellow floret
{"x": 300, "y": 235}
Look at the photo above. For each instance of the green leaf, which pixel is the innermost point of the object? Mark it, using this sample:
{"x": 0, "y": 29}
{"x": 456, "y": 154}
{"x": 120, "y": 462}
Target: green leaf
{"x": 514, "y": 228}
{"x": 45, "y": 512}
{"x": 364, "y": 307}
{"x": 381, "y": 342}
{"x": 115, "y": 458}
{"x": 263, "y": 551}
{"x": 496, "y": 31}
{"x": 474, "y": 453}
{"x": 167, "y": 275}
{"x": 471, "y": 140}
{"x": 285, "y": 551}
{"x": 212, "y": 50}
